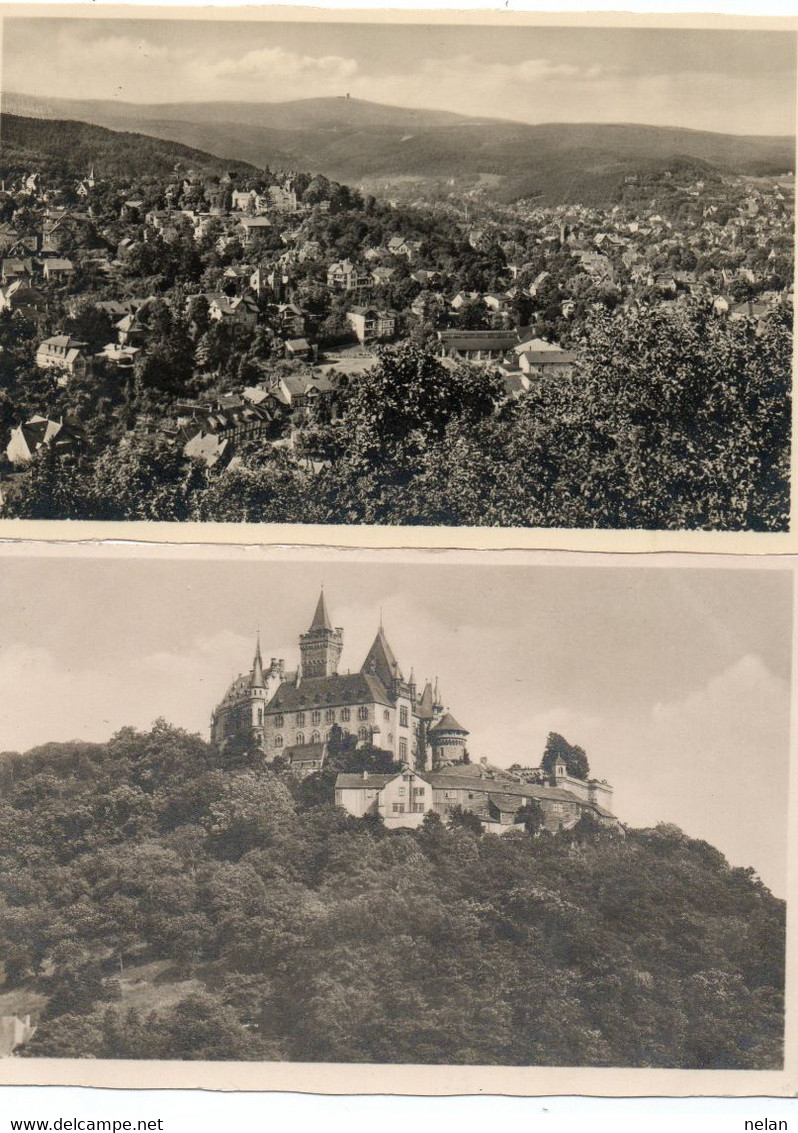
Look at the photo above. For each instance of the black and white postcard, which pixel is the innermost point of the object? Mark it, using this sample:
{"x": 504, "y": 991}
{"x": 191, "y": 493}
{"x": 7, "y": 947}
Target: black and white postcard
{"x": 418, "y": 270}
{"x": 394, "y": 821}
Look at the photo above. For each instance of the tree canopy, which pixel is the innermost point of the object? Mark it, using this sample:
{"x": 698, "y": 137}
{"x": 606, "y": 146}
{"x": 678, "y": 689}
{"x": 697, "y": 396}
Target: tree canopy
{"x": 160, "y": 903}
{"x": 576, "y": 763}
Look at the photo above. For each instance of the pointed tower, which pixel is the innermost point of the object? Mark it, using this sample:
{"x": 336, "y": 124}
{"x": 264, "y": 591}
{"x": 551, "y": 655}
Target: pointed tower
{"x": 257, "y": 679}
{"x": 258, "y": 695}
{"x": 380, "y": 662}
{"x": 437, "y": 701}
{"x": 424, "y": 705}
{"x": 320, "y": 648}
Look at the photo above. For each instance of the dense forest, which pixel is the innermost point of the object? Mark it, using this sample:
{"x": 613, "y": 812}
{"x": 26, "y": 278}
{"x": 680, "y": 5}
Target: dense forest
{"x": 160, "y": 900}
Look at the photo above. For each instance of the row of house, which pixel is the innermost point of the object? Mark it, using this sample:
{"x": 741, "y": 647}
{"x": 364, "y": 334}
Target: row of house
{"x": 495, "y": 797}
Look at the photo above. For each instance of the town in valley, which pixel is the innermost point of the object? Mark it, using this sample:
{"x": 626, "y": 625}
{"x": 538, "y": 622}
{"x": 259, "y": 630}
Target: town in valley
{"x": 185, "y": 337}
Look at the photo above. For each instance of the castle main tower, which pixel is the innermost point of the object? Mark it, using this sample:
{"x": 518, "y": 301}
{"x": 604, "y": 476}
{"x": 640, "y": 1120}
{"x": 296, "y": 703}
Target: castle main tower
{"x": 320, "y": 648}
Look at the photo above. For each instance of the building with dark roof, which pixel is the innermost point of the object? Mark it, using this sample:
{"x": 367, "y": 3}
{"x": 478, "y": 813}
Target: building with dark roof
{"x": 293, "y": 714}
{"x": 495, "y": 796}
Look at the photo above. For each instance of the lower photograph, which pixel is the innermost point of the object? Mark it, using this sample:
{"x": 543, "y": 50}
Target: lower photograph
{"x": 384, "y": 821}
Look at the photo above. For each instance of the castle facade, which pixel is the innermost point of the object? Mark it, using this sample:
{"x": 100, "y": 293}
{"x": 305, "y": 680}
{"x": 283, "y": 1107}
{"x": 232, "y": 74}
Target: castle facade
{"x": 292, "y": 714}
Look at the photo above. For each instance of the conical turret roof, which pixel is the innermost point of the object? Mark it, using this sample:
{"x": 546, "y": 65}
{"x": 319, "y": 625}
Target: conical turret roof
{"x": 447, "y": 723}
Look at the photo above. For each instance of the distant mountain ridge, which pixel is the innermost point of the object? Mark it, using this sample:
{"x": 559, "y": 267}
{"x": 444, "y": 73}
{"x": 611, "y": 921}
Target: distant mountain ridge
{"x": 353, "y": 140}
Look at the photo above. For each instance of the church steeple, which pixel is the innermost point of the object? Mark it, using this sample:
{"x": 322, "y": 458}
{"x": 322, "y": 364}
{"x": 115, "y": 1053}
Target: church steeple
{"x": 320, "y": 648}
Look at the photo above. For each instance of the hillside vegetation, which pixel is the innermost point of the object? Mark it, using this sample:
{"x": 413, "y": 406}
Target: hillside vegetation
{"x": 352, "y": 140}
{"x": 72, "y": 148}
{"x": 171, "y": 904}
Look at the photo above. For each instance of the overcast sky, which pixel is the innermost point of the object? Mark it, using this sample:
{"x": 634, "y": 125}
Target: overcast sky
{"x": 732, "y": 81}
{"x": 676, "y": 681}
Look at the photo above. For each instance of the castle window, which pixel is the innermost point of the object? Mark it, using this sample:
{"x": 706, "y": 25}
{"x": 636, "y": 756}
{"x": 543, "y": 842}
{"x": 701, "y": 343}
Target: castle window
{"x": 403, "y": 749}
{"x": 401, "y": 790}
{"x": 362, "y": 712}
{"x": 260, "y": 715}
{"x": 278, "y": 741}
{"x": 386, "y": 714}
{"x": 300, "y": 719}
{"x": 418, "y": 808}
{"x": 315, "y": 717}
{"x": 329, "y": 715}
{"x": 278, "y": 720}
{"x": 403, "y": 716}
{"x": 329, "y": 735}
{"x": 300, "y": 738}
{"x": 345, "y": 713}
{"x": 418, "y": 791}
{"x": 363, "y": 734}
{"x": 398, "y": 808}
{"x": 315, "y": 738}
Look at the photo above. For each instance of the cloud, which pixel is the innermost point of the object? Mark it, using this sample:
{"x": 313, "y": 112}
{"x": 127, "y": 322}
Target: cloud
{"x": 697, "y": 88}
{"x": 716, "y": 763}
{"x": 137, "y": 69}
{"x": 529, "y": 71}
{"x": 45, "y": 701}
{"x": 276, "y": 63}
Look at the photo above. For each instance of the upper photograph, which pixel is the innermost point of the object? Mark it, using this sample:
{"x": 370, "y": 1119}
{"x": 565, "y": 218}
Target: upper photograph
{"x": 333, "y": 269}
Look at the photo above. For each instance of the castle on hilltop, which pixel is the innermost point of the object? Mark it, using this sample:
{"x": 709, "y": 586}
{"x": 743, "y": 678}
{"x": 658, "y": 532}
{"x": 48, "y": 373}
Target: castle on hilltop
{"x": 293, "y": 716}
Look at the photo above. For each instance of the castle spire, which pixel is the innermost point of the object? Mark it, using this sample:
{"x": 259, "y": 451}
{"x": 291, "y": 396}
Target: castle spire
{"x": 380, "y": 660}
{"x": 321, "y": 619}
{"x": 257, "y": 680}
{"x": 320, "y": 648}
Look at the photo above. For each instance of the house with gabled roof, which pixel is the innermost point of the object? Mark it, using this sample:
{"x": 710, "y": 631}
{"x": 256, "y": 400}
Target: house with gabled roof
{"x": 16, "y": 268}
{"x": 495, "y": 797}
{"x": 253, "y": 229}
{"x": 20, "y": 296}
{"x": 64, "y": 353}
{"x": 58, "y": 270}
{"x": 238, "y": 312}
{"x": 40, "y": 432}
{"x": 371, "y": 324}
{"x": 346, "y": 276}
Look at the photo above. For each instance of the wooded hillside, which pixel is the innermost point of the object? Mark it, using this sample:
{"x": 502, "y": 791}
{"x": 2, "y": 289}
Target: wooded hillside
{"x": 159, "y": 901}
{"x": 72, "y": 148}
